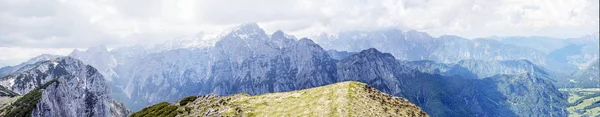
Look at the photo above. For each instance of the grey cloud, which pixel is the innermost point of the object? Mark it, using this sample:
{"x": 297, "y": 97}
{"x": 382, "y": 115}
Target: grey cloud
{"x": 80, "y": 24}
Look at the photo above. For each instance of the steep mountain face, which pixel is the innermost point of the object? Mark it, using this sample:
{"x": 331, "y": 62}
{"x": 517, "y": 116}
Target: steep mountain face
{"x": 279, "y": 64}
{"x": 243, "y": 60}
{"x": 453, "y": 96}
{"x": 339, "y": 99}
{"x": 588, "y": 77}
{"x": 413, "y": 45}
{"x": 60, "y": 83}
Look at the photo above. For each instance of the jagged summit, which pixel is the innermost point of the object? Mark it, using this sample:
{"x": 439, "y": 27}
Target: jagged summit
{"x": 245, "y": 31}
{"x": 348, "y": 98}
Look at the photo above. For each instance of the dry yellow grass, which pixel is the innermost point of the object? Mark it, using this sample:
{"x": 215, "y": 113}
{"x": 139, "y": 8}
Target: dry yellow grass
{"x": 580, "y": 98}
{"x": 339, "y": 99}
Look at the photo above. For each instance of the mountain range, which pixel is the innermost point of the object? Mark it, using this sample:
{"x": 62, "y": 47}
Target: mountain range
{"x": 564, "y": 56}
{"x": 247, "y": 60}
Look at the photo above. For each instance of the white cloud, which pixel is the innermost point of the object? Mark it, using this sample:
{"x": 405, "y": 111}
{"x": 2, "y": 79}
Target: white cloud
{"x": 81, "y": 24}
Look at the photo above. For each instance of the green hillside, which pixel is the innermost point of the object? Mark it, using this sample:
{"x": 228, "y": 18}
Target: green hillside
{"x": 339, "y": 99}
{"x": 583, "y": 101}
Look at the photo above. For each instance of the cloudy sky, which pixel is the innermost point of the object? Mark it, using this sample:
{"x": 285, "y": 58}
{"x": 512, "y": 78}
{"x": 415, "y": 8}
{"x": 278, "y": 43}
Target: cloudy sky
{"x": 32, "y": 27}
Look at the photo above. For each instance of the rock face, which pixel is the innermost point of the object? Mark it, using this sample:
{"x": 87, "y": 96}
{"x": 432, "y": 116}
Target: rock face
{"x": 243, "y": 60}
{"x": 70, "y": 89}
{"x": 339, "y": 99}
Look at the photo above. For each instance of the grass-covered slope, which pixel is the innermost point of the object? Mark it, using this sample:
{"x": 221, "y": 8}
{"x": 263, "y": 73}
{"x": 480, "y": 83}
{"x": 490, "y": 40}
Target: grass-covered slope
{"x": 339, "y": 99}
{"x": 583, "y": 101}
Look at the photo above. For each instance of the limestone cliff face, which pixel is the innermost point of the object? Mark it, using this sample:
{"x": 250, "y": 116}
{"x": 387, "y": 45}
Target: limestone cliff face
{"x": 65, "y": 87}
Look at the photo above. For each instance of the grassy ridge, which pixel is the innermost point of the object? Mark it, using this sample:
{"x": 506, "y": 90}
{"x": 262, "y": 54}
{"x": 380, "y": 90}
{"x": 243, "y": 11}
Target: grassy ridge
{"x": 340, "y": 99}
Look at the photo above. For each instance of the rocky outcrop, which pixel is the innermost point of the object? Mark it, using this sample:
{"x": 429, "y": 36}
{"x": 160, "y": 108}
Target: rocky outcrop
{"x": 65, "y": 87}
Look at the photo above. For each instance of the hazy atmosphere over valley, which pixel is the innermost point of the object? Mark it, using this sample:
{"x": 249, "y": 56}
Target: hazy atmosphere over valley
{"x": 503, "y": 58}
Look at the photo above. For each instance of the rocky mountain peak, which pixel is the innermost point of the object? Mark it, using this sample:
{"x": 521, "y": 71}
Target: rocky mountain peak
{"x": 245, "y": 31}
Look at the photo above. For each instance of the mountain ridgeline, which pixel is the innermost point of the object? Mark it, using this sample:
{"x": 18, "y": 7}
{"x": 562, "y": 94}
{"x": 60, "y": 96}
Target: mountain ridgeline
{"x": 413, "y": 45}
{"x": 246, "y": 60}
{"x": 339, "y": 99}
{"x": 560, "y": 56}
